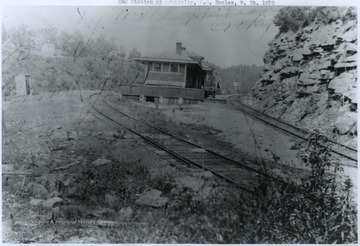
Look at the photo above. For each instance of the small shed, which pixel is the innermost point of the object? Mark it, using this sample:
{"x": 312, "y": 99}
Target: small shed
{"x": 23, "y": 84}
{"x": 236, "y": 86}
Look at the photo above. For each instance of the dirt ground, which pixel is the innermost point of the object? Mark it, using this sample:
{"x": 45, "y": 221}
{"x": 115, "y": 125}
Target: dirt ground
{"x": 85, "y": 202}
{"x": 67, "y": 151}
{"x": 251, "y": 138}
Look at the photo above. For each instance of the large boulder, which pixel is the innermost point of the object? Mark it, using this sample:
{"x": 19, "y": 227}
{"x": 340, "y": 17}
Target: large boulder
{"x": 190, "y": 182}
{"x": 312, "y": 89}
{"x": 346, "y": 48}
{"x": 280, "y": 64}
{"x": 326, "y": 74}
{"x": 289, "y": 72}
{"x": 351, "y": 59}
{"x": 305, "y": 79}
{"x": 345, "y": 84}
{"x": 345, "y": 122}
{"x": 51, "y": 202}
{"x": 346, "y": 62}
{"x": 37, "y": 190}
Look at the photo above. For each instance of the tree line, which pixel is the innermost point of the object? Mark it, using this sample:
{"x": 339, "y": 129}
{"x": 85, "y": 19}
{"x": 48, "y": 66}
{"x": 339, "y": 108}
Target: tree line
{"x": 66, "y": 61}
{"x": 239, "y": 79}
{"x": 58, "y": 61}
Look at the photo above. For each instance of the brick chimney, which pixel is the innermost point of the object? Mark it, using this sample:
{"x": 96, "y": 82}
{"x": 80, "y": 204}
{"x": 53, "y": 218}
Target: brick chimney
{"x": 178, "y": 48}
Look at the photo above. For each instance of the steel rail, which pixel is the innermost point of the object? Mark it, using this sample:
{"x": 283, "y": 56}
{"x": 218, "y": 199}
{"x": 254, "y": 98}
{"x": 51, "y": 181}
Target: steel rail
{"x": 292, "y": 126}
{"x": 198, "y": 146}
{"x": 300, "y": 132}
{"x": 173, "y": 154}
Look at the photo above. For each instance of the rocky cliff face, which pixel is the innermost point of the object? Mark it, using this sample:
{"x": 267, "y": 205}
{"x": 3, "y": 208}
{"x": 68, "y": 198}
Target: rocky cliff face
{"x": 310, "y": 79}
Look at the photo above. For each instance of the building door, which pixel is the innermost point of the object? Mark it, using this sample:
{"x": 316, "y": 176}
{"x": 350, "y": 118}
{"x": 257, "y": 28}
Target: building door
{"x": 27, "y": 83}
{"x": 191, "y": 77}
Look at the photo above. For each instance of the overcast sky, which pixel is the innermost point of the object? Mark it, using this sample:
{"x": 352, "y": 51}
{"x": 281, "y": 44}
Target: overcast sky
{"x": 225, "y": 36}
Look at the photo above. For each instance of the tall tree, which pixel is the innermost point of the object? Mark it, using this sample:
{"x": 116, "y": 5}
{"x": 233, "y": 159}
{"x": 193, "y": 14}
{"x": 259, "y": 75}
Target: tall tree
{"x": 23, "y": 37}
{"x": 243, "y": 75}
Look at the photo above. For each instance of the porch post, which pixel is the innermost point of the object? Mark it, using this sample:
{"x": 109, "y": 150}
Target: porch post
{"x": 184, "y": 84}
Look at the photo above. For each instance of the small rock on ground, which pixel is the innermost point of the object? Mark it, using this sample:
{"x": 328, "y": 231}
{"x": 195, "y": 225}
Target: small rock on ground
{"x": 125, "y": 213}
{"x": 193, "y": 183}
{"x": 36, "y": 202}
{"x": 101, "y": 213}
{"x": 54, "y": 194}
{"x": 77, "y": 239}
{"x": 205, "y": 175}
{"x": 100, "y": 162}
{"x": 37, "y": 190}
{"x": 152, "y": 198}
{"x": 8, "y": 168}
{"x": 49, "y": 203}
{"x": 110, "y": 200}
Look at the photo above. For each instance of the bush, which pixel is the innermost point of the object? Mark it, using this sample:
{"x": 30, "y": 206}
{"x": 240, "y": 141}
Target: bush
{"x": 79, "y": 65}
{"x": 350, "y": 14}
{"x": 290, "y": 19}
{"x": 293, "y": 18}
{"x": 320, "y": 210}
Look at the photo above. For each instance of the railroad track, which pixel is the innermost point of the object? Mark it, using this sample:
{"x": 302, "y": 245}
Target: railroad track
{"x": 216, "y": 100}
{"x": 337, "y": 148}
{"x": 245, "y": 177}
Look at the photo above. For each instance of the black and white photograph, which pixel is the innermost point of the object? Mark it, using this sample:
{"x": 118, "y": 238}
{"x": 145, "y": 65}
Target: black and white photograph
{"x": 223, "y": 123}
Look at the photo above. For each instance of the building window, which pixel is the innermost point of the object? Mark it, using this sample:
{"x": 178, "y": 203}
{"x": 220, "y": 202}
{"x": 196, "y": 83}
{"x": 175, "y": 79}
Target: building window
{"x": 165, "y": 67}
{"x": 157, "y": 67}
{"x": 150, "y": 64}
{"x": 174, "y": 68}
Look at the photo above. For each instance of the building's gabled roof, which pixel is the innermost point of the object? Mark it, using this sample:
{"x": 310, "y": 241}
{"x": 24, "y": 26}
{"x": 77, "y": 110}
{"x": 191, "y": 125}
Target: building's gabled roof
{"x": 169, "y": 56}
{"x": 26, "y": 73}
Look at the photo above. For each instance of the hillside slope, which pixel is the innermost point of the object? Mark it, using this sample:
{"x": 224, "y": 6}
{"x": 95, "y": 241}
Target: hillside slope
{"x": 310, "y": 79}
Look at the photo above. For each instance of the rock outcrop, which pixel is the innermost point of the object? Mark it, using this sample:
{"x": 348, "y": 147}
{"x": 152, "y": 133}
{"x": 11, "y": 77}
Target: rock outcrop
{"x": 310, "y": 79}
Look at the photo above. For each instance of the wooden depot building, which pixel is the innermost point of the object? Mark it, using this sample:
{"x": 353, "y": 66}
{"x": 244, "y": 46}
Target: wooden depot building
{"x": 171, "y": 77}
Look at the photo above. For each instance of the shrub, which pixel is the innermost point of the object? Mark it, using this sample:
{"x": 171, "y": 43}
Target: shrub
{"x": 350, "y": 14}
{"x": 293, "y": 18}
{"x": 290, "y": 19}
{"x": 320, "y": 210}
